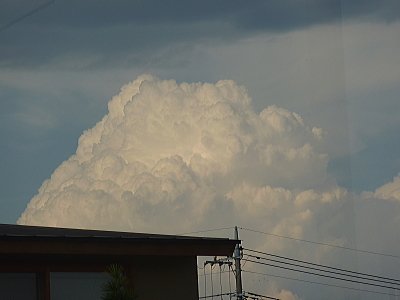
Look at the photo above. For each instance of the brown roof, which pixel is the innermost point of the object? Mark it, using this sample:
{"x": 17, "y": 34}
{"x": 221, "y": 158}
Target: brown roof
{"x": 24, "y": 239}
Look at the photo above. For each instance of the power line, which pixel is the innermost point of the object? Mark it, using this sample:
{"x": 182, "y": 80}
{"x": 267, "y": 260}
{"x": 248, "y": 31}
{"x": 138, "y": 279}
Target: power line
{"x": 221, "y": 262}
{"x": 247, "y": 297}
{"x": 385, "y": 279}
{"x": 296, "y": 239}
{"x": 205, "y": 281}
{"x": 206, "y": 230}
{"x": 223, "y": 272}
{"x": 303, "y": 267}
{"x": 212, "y": 283}
{"x": 326, "y": 284}
{"x": 330, "y": 272}
{"x": 245, "y": 260}
{"x": 258, "y": 295}
{"x": 230, "y": 270}
{"x": 324, "y": 275}
{"x": 217, "y": 295}
{"x": 283, "y": 277}
{"x": 300, "y": 240}
{"x": 28, "y": 14}
{"x": 220, "y": 280}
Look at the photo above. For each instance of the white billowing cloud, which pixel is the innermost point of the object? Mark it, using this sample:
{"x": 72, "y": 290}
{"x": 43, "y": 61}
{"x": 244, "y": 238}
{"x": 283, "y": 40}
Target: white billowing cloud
{"x": 286, "y": 295}
{"x": 377, "y": 230}
{"x": 173, "y": 158}
{"x": 390, "y": 190}
{"x": 377, "y": 217}
{"x": 172, "y": 152}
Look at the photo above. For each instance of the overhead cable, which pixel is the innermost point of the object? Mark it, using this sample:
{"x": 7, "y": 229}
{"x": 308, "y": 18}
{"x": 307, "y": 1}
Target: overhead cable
{"x": 206, "y": 230}
{"x": 318, "y": 243}
{"x": 324, "y": 275}
{"x": 321, "y": 270}
{"x": 28, "y": 14}
{"x": 212, "y": 283}
{"x": 320, "y": 283}
{"x": 204, "y": 274}
{"x": 220, "y": 280}
{"x": 217, "y": 295}
{"x": 258, "y": 295}
{"x": 205, "y": 281}
{"x": 357, "y": 274}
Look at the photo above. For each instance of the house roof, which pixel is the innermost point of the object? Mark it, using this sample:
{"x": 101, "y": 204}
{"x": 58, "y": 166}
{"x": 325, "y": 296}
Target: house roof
{"x": 52, "y": 240}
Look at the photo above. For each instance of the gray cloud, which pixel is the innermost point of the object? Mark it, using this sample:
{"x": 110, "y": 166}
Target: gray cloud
{"x": 242, "y": 14}
{"x": 84, "y": 34}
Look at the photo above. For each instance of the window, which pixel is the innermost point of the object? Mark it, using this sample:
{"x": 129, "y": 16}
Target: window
{"x": 76, "y": 285}
{"x": 18, "y": 286}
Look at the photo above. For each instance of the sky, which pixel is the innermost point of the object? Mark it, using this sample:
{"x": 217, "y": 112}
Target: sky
{"x": 183, "y": 116}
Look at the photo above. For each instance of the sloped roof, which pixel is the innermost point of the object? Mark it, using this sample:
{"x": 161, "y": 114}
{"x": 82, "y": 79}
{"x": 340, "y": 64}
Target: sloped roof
{"x": 54, "y": 240}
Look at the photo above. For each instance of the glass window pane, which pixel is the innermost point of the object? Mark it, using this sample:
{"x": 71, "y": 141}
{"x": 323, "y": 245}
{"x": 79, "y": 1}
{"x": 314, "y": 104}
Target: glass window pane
{"x": 76, "y": 285}
{"x": 18, "y": 286}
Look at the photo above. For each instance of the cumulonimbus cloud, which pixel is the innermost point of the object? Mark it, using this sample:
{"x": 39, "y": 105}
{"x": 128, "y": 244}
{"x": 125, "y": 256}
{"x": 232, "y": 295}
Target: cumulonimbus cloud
{"x": 168, "y": 150}
{"x": 174, "y": 157}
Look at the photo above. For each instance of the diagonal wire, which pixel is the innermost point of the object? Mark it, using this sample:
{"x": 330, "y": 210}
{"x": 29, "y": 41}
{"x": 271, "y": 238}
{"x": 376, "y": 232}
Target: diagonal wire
{"x": 357, "y": 274}
{"x": 28, "y": 14}
{"x": 322, "y": 275}
{"x": 216, "y": 229}
{"x": 220, "y": 279}
{"x": 317, "y": 243}
{"x": 204, "y": 274}
{"x": 262, "y": 296}
{"x": 212, "y": 283}
{"x": 326, "y": 284}
{"x": 230, "y": 287}
{"x": 205, "y": 281}
{"x": 216, "y": 295}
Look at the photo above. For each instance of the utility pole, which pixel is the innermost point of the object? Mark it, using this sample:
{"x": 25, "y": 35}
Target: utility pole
{"x": 237, "y": 257}
{"x": 227, "y": 261}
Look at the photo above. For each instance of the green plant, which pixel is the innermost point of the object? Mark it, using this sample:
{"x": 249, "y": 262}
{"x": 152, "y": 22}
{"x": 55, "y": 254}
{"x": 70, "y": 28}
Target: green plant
{"x": 116, "y": 288}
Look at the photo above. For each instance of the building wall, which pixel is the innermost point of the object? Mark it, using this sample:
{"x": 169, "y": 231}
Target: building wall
{"x": 170, "y": 277}
{"x": 152, "y": 277}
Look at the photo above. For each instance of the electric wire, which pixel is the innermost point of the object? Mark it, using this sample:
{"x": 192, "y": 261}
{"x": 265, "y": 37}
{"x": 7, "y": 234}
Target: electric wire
{"x": 359, "y": 274}
{"x": 359, "y": 278}
{"x": 296, "y": 239}
{"x": 216, "y": 295}
{"x": 320, "y": 283}
{"x": 321, "y": 270}
{"x": 230, "y": 288}
{"x": 216, "y": 229}
{"x": 323, "y": 244}
{"x": 323, "y": 275}
{"x": 206, "y": 274}
{"x": 28, "y": 14}
{"x": 205, "y": 281}
{"x": 212, "y": 283}
{"x": 220, "y": 280}
{"x": 262, "y": 296}
{"x": 245, "y": 260}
